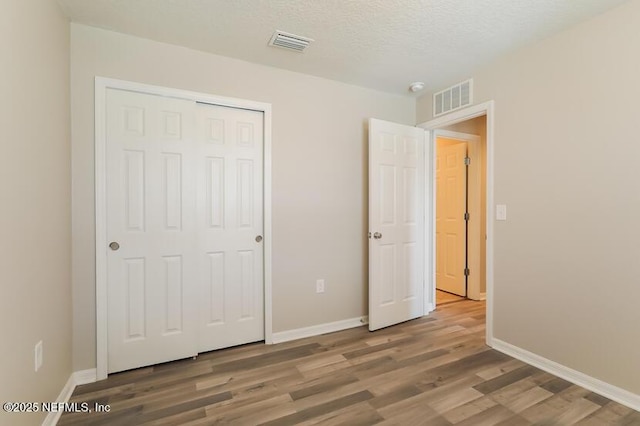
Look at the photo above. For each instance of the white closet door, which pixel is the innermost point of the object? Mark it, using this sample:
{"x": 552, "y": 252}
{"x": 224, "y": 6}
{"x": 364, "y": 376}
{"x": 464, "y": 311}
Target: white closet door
{"x": 396, "y": 223}
{"x": 152, "y": 261}
{"x": 230, "y": 226}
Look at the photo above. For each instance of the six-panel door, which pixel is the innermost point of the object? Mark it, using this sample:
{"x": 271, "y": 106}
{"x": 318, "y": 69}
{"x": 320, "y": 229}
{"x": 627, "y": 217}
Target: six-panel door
{"x": 451, "y": 199}
{"x": 184, "y": 205}
{"x": 396, "y": 222}
{"x": 230, "y": 201}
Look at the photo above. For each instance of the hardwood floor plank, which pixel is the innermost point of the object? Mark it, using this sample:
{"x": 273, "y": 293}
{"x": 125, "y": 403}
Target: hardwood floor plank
{"x": 471, "y": 408}
{"x": 490, "y": 416}
{"x": 412, "y": 411}
{"x": 258, "y": 411}
{"x": 266, "y": 359}
{"x": 630, "y": 419}
{"x": 527, "y": 399}
{"x": 399, "y": 394}
{"x": 597, "y": 399}
{"x": 604, "y": 416}
{"x": 325, "y": 386}
{"x": 320, "y": 409}
{"x": 180, "y": 418}
{"x": 505, "y": 379}
{"x": 454, "y": 399}
{"x": 514, "y": 421}
{"x": 507, "y": 366}
{"x": 361, "y": 414}
{"x": 578, "y": 410}
{"x": 556, "y": 385}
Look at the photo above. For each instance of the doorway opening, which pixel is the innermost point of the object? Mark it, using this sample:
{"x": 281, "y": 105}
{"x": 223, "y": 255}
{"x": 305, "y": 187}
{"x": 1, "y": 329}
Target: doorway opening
{"x": 460, "y": 210}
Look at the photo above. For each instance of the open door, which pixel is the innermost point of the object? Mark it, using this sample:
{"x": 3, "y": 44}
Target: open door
{"x": 396, "y": 223}
{"x": 451, "y": 215}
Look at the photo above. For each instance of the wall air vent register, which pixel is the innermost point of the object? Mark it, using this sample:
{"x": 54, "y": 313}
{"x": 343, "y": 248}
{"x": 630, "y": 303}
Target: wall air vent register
{"x": 289, "y": 41}
{"x": 455, "y": 97}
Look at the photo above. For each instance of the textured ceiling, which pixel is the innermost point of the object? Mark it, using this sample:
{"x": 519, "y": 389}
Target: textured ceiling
{"x": 381, "y": 44}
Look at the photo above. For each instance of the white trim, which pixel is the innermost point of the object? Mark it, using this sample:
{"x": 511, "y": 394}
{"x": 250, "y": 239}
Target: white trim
{"x": 429, "y": 211}
{"x": 605, "y": 389}
{"x": 268, "y": 232}
{"x": 75, "y": 379}
{"x": 487, "y": 109}
{"x": 316, "y": 330}
{"x": 101, "y": 228}
{"x": 65, "y": 394}
{"x": 101, "y": 86}
{"x": 85, "y": 376}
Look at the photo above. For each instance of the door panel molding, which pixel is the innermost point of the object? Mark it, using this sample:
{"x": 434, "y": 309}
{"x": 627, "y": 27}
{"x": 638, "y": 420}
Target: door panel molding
{"x": 101, "y": 86}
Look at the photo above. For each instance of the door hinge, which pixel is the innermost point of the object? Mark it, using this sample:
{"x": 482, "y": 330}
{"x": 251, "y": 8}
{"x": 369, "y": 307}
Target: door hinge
{"x": 466, "y": 216}
{"x": 467, "y": 161}
{"x": 467, "y": 272}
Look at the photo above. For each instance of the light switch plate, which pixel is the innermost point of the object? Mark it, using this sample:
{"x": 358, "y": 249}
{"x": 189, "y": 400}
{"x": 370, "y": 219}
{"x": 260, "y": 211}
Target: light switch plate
{"x": 501, "y": 212}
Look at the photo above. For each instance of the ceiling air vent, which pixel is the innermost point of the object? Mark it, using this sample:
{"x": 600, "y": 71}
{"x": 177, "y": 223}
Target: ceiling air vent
{"x": 289, "y": 41}
{"x": 455, "y": 97}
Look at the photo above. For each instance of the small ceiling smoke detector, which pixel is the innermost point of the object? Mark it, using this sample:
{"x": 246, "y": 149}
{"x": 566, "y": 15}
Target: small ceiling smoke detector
{"x": 289, "y": 41}
{"x": 416, "y": 86}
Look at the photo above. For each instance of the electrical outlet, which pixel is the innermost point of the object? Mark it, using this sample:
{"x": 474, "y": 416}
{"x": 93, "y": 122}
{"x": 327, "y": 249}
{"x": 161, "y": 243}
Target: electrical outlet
{"x": 38, "y": 355}
{"x": 320, "y": 286}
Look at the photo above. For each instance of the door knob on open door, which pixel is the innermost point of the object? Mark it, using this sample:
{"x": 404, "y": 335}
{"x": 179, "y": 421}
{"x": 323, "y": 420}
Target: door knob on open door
{"x": 114, "y": 246}
{"x": 258, "y": 238}
{"x": 377, "y": 235}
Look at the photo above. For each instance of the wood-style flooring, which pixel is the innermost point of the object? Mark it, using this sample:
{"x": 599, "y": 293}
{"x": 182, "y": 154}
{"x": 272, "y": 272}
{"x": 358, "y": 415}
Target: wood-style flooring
{"x": 442, "y": 297}
{"x": 431, "y": 371}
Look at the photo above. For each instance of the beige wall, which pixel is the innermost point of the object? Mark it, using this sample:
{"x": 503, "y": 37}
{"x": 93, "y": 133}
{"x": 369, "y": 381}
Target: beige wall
{"x": 566, "y": 165}
{"x": 35, "y": 217}
{"x": 319, "y": 171}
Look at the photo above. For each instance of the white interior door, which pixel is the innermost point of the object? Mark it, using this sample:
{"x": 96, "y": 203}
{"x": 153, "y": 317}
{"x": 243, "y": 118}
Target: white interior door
{"x": 152, "y": 262}
{"x": 451, "y": 199}
{"x": 396, "y": 223}
{"x": 230, "y": 226}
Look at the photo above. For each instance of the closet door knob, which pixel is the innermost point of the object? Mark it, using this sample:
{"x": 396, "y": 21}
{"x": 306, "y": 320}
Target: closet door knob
{"x": 114, "y": 245}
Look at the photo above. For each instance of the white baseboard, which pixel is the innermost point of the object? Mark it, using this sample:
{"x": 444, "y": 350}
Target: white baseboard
{"x": 83, "y": 377}
{"x": 75, "y": 379}
{"x": 605, "y": 389}
{"x": 53, "y": 417}
{"x": 316, "y": 330}
{"x": 477, "y": 296}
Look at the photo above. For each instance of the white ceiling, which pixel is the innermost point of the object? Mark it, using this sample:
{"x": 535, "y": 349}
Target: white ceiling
{"x": 381, "y": 44}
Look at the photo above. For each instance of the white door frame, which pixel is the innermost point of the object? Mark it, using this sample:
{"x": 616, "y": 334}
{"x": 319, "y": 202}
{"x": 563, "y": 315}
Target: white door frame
{"x": 101, "y": 86}
{"x": 486, "y": 108}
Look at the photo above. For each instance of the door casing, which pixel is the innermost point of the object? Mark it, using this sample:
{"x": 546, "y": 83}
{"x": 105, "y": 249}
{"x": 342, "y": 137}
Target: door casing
{"x": 101, "y": 86}
{"x": 486, "y": 109}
